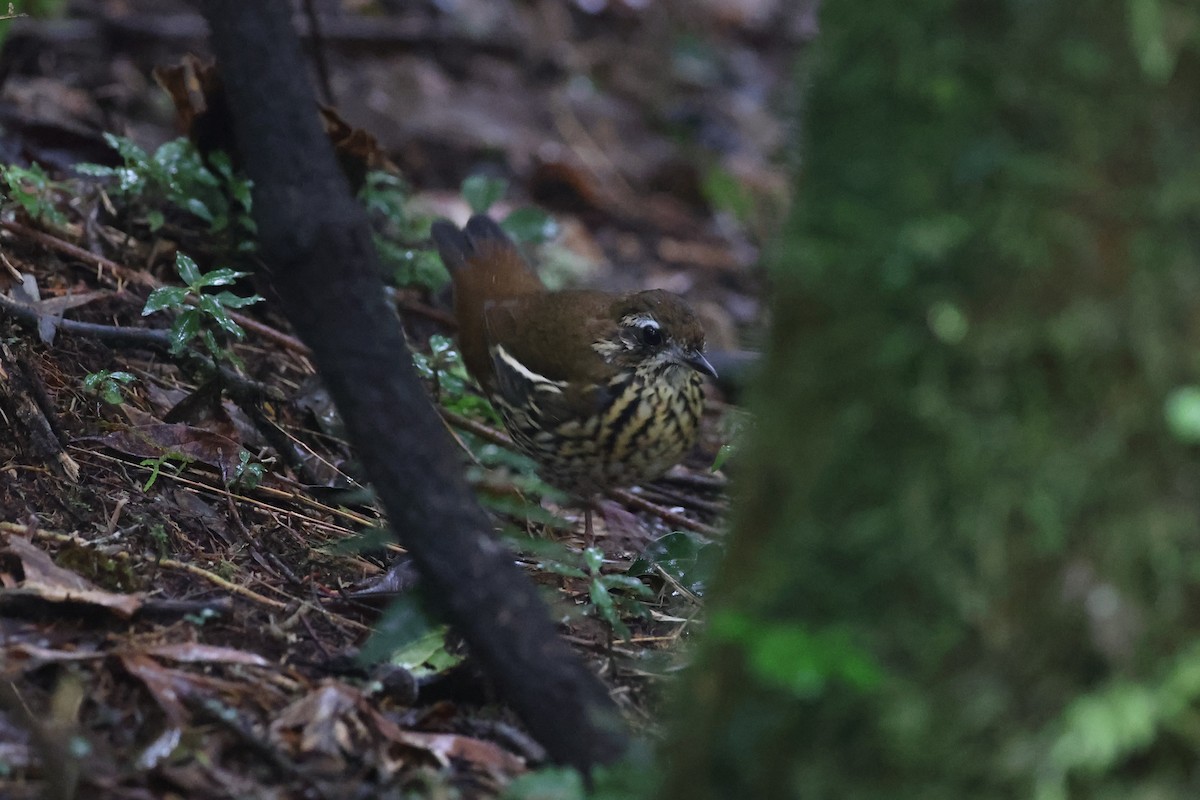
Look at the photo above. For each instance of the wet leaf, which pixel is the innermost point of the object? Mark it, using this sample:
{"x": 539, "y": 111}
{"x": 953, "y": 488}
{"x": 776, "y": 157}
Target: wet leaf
{"x": 187, "y": 269}
{"x": 164, "y": 297}
{"x": 682, "y": 555}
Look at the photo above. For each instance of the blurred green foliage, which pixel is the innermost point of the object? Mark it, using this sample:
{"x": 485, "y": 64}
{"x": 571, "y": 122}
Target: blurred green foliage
{"x": 176, "y": 176}
{"x": 32, "y": 190}
{"x": 974, "y": 473}
{"x": 397, "y": 229}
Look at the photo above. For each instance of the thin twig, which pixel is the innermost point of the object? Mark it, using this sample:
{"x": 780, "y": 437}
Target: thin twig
{"x": 216, "y": 579}
{"x": 484, "y": 432}
{"x": 666, "y": 514}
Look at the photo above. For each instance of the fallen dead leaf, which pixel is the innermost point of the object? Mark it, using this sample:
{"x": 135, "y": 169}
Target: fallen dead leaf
{"x": 445, "y": 746}
{"x": 46, "y": 581}
{"x": 320, "y": 727}
{"x": 167, "y": 686}
{"x": 179, "y": 440}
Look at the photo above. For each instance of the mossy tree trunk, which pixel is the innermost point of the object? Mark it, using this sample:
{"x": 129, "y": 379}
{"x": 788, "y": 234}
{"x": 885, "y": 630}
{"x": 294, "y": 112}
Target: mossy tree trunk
{"x": 967, "y": 559}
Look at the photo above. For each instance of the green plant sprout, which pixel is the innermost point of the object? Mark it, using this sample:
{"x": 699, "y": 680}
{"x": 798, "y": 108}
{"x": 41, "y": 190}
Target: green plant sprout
{"x": 735, "y": 426}
{"x": 175, "y": 460}
{"x": 611, "y": 597}
{"x": 108, "y": 385}
{"x": 248, "y": 474}
{"x": 31, "y": 189}
{"x": 197, "y": 311}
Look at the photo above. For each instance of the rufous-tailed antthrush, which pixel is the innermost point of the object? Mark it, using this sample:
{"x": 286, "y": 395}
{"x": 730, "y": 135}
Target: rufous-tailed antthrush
{"x": 601, "y": 390}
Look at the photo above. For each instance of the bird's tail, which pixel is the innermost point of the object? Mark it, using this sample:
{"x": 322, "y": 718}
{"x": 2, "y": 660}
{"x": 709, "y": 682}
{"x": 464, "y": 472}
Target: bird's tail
{"x": 487, "y": 269}
{"x": 480, "y": 249}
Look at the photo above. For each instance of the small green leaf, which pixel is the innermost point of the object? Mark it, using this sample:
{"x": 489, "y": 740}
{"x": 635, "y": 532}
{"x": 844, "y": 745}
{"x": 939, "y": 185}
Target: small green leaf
{"x": 209, "y": 305}
{"x": 684, "y": 557}
{"x": 187, "y": 269}
{"x": 95, "y": 170}
{"x": 129, "y": 151}
{"x": 426, "y": 655}
{"x": 218, "y": 277}
{"x": 558, "y": 568}
{"x": 626, "y": 583}
{"x": 402, "y": 623}
{"x": 723, "y": 454}
{"x": 593, "y": 558}
{"x": 198, "y": 208}
{"x": 231, "y": 300}
{"x": 164, "y": 297}
{"x": 481, "y": 192}
{"x": 186, "y": 327}
{"x": 92, "y": 381}
{"x": 604, "y": 605}
{"x": 601, "y": 598}
{"x": 530, "y": 225}
{"x": 248, "y": 474}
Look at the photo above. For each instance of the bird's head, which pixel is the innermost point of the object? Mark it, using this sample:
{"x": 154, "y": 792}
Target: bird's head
{"x": 656, "y": 332}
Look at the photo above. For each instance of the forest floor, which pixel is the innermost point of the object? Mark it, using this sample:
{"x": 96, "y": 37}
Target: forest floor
{"x": 188, "y": 566}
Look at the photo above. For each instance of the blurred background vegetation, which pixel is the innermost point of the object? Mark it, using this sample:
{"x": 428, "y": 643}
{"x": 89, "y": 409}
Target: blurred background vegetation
{"x": 968, "y": 559}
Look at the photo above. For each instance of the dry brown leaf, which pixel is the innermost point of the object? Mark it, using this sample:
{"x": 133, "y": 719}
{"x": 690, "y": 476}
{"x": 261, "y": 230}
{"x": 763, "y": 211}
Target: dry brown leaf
{"x": 167, "y": 686}
{"x": 179, "y": 440}
{"x": 321, "y": 726}
{"x": 45, "y": 580}
{"x": 445, "y": 746}
{"x": 358, "y": 152}
{"x": 201, "y": 108}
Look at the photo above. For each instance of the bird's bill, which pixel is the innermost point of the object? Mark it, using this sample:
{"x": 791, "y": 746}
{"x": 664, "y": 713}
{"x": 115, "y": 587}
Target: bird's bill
{"x": 698, "y": 362}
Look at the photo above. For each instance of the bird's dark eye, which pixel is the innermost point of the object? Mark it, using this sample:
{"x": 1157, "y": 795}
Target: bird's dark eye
{"x": 652, "y": 334}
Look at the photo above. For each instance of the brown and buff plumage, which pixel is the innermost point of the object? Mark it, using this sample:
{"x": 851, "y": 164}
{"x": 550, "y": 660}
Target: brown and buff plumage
{"x": 602, "y": 390}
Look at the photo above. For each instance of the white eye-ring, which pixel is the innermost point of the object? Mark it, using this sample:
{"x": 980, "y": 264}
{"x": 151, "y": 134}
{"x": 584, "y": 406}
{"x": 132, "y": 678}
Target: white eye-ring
{"x": 651, "y": 333}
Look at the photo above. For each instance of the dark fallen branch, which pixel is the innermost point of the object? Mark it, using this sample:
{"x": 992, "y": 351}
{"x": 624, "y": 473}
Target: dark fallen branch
{"x": 162, "y": 607}
{"x": 240, "y": 388}
{"x": 116, "y": 336}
